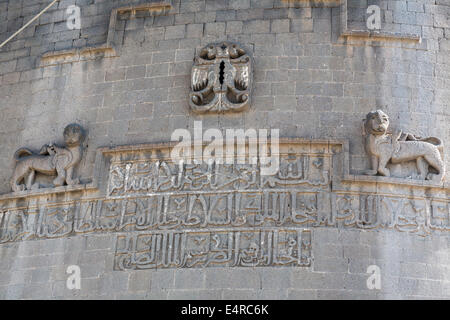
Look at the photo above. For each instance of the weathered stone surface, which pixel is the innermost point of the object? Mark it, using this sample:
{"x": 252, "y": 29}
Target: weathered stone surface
{"x": 125, "y": 77}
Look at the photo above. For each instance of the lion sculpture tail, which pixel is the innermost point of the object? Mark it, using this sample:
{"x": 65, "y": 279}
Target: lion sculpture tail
{"x": 22, "y": 152}
{"x": 437, "y": 142}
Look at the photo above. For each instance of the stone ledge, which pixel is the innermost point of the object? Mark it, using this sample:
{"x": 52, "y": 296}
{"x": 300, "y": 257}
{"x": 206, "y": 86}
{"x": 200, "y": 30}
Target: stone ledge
{"x": 153, "y": 9}
{"x": 75, "y": 55}
{"x": 311, "y": 3}
{"x": 159, "y": 145}
{"x": 396, "y": 181}
{"x": 380, "y": 36}
{"x": 48, "y": 191}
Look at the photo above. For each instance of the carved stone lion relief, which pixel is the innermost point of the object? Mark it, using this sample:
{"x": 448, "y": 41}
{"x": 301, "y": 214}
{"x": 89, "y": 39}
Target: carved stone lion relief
{"x": 51, "y": 160}
{"x": 400, "y": 148}
{"x": 221, "y": 79}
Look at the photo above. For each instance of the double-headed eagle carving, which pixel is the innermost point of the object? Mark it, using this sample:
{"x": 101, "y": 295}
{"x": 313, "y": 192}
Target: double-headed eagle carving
{"x": 221, "y": 79}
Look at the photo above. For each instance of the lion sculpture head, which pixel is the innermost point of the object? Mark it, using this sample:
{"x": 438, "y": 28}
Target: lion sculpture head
{"x": 73, "y": 135}
{"x": 376, "y": 123}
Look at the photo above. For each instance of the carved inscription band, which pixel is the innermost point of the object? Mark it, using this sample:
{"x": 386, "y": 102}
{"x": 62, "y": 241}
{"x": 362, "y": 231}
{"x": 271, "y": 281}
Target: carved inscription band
{"x": 281, "y": 209}
{"x": 201, "y": 215}
{"x": 225, "y": 248}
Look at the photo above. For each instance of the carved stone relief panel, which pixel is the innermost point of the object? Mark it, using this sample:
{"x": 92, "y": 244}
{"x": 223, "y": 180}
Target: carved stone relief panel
{"x": 51, "y": 160}
{"x": 221, "y": 79}
{"x": 225, "y": 248}
{"x": 413, "y": 215}
{"x": 183, "y": 213}
{"x": 390, "y": 153}
{"x": 141, "y": 177}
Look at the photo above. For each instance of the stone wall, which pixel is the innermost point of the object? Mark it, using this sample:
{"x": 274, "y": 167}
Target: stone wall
{"x": 316, "y": 76}
{"x": 412, "y": 267}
